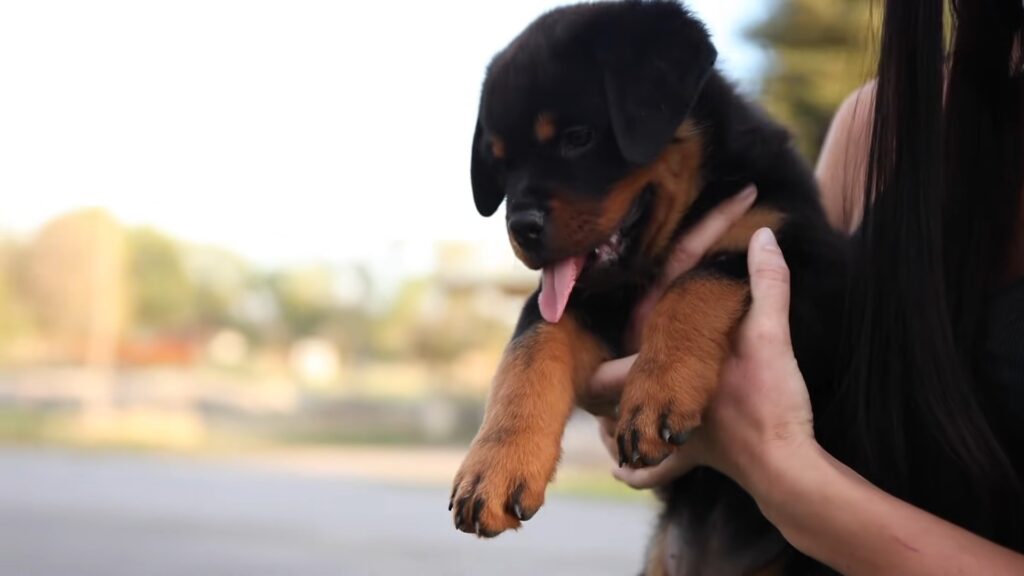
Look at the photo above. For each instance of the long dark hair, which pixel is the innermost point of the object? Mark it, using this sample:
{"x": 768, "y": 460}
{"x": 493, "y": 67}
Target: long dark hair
{"x": 941, "y": 199}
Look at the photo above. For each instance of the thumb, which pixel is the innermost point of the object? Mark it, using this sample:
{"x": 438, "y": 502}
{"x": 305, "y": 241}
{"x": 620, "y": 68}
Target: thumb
{"x": 769, "y": 283}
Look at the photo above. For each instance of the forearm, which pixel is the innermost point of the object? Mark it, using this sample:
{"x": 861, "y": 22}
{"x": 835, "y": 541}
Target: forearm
{"x": 832, "y": 514}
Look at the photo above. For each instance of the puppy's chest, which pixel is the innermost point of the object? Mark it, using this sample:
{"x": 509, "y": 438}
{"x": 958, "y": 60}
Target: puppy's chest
{"x": 607, "y": 313}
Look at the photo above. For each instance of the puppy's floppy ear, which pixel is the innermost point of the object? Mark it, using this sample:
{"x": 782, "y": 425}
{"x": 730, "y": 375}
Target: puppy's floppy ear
{"x": 656, "y": 60}
{"x": 487, "y": 189}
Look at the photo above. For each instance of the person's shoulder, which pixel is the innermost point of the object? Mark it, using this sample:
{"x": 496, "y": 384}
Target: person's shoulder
{"x": 859, "y": 105}
{"x": 842, "y": 165}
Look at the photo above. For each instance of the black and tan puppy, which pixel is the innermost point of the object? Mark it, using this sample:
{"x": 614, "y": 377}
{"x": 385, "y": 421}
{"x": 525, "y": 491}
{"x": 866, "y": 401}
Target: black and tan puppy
{"x": 607, "y": 132}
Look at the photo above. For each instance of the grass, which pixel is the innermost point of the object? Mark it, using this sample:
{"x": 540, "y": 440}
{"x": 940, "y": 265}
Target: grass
{"x": 23, "y": 426}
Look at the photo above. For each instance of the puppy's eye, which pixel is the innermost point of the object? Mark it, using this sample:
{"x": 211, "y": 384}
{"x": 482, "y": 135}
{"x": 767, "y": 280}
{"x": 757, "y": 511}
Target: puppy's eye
{"x": 577, "y": 140}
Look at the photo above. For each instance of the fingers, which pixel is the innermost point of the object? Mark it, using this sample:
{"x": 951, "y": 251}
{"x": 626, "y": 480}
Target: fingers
{"x": 606, "y": 430}
{"x": 699, "y": 239}
{"x": 769, "y": 287}
{"x": 603, "y": 391}
{"x": 676, "y": 465}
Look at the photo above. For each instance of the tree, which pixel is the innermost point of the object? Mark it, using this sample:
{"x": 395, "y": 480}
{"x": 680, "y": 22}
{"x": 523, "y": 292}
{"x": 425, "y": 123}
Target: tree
{"x": 305, "y": 298}
{"x": 15, "y": 314}
{"x": 162, "y": 295}
{"x": 220, "y": 281}
{"x": 77, "y": 284}
{"x": 821, "y": 51}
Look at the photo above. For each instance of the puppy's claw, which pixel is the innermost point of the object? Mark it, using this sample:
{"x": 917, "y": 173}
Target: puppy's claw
{"x": 478, "y": 508}
{"x": 516, "y": 506}
{"x": 460, "y": 511}
{"x": 680, "y": 438}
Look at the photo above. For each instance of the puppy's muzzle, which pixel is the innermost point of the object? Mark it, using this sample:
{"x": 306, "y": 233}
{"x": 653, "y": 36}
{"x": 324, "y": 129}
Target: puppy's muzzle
{"x": 527, "y": 230}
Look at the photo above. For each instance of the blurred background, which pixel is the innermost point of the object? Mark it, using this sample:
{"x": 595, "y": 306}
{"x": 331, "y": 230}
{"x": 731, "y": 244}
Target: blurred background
{"x": 248, "y": 313}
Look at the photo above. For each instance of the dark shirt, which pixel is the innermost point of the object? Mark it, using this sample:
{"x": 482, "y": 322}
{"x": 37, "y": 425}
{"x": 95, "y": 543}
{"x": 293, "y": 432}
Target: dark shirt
{"x": 1003, "y": 368}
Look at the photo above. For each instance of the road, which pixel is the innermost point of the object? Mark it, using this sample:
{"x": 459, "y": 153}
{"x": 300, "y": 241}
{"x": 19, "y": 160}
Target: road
{"x": 67, "y": 513}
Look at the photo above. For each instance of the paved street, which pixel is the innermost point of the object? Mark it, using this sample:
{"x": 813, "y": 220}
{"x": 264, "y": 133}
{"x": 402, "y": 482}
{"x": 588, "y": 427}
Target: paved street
{"x": 65, "y": 513}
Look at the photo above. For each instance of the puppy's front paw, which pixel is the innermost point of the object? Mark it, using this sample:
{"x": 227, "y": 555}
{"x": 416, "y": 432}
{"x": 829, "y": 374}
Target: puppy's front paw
{"x": 661, "y": 405}
{"x": 685, "y": 343}
{"x": 500, "y": 485}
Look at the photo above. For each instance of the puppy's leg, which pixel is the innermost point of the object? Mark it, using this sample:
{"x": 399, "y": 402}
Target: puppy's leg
{"x": 656, "y": 563}
{"x": 513, "y": 457}
{"x": 684, "y": 345}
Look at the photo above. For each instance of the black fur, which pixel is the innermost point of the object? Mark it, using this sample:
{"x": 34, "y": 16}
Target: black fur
{"x": 631, "y": 73}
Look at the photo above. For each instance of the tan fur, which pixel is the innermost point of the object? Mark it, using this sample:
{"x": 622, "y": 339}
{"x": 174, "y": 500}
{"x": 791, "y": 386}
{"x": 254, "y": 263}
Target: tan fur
{"x": 519, "y": 442}
{"x": 684, "y": 345}
{"x": 737, "y": 239}
{"x": 579, "y": 225}
{"x": 497, "y": 147}
{"x": 657, "y": 553}
{"x": 518, "y": 250}
{"x": 544, "y": 128}
{"x": 676, "y": 176}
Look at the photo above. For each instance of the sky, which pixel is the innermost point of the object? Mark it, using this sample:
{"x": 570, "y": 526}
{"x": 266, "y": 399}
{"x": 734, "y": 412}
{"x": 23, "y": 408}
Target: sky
{"x": 286, "y": 131}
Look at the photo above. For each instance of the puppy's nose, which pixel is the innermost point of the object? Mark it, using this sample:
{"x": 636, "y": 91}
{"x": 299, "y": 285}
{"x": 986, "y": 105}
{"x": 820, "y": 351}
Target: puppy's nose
{"x": 527, "y": 228}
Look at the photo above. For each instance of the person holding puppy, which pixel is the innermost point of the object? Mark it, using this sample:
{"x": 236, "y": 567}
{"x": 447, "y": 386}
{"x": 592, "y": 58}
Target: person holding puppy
{"x": 925, "y": 165}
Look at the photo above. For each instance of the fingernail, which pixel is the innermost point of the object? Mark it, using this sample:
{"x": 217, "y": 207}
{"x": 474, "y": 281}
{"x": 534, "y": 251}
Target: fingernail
{"x": 748, "y": 192}
{"x": 765, "y": 239}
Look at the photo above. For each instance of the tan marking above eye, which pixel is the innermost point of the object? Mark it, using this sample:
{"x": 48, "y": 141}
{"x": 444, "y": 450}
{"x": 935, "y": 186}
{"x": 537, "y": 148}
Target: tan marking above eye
{"x": 544, "y": 128}
{"x": 497, "y": 147}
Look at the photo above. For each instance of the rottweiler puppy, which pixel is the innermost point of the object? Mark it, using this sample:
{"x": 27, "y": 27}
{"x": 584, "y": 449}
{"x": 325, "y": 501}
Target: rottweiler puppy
{"x": 607, "y": 131}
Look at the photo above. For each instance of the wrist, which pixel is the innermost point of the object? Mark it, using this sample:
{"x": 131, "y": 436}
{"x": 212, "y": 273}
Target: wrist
{"x": 796, "y": 490}
{"x": 784, "y": 473}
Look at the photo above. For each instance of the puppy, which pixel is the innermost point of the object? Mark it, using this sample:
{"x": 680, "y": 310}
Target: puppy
{"x": 608, "y": 133}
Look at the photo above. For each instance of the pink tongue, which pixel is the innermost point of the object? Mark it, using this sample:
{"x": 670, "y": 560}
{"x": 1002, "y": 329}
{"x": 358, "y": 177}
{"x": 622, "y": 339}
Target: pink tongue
{"x": 556, "y": 286}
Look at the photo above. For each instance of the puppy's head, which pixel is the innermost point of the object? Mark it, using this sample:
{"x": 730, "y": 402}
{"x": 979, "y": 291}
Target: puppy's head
{"x": 583, "y": 129}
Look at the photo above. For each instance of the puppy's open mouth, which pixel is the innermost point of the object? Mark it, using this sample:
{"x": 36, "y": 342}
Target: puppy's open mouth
{"x": 560, "y": 277}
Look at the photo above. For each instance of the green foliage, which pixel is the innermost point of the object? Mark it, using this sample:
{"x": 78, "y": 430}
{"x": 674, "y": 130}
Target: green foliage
{"x": 15, "y": 318}
{"x": 393, "y": 335}
{"x": 431, "y": 323}
{"x": 220, "y": 281}
{"x": 84, "y": 276}
{"x": 162, "y": 293}
{"x": 305, "y": 298}
{"x": 821, "y": 51}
